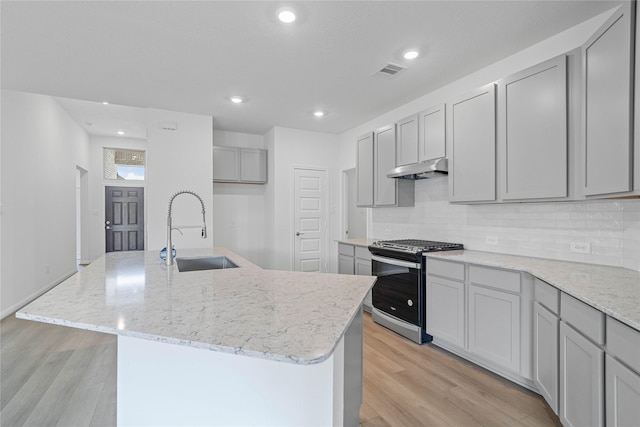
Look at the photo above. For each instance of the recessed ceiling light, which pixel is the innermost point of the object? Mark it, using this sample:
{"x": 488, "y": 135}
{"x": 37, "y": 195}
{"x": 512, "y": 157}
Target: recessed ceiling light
{"x": 236, "y": 99}
{"x": 318, "y": 113}
{"x": 105, "y": 103}
{"x": 411, "y": 54}
{"x": 287, "y": 16}
{"x": 120, "y": 132}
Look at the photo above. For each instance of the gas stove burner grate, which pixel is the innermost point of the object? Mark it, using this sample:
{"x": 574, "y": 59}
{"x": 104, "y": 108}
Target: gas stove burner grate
{"x": 417, "y": 245}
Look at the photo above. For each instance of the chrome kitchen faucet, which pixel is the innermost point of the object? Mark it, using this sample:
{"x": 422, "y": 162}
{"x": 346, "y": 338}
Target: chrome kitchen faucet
{"x": 203, "y": 232}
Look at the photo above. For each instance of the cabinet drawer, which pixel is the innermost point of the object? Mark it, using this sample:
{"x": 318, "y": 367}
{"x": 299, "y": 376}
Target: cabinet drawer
{"x": 624, "y": 343}
{"x": 500, "y": 279}
{"x": 344, "y": 249}
{"x": 548, "y": 296}
{"x": 363, "y": 253}
{"x": 452, "y": 270}
{"x": 583, "y": 317}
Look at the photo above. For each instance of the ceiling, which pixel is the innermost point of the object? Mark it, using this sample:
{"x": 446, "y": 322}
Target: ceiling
{"x": 191, "y": 56}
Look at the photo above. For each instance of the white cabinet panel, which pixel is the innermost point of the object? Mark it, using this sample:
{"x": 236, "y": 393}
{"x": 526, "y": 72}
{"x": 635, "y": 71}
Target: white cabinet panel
{"x": 546, "y": 354}
{"x": 472, "y": 147}
{"x": 581, "y": 380}
{"x": 253, "y": 165}
{"x": 445, "y": 310}
{"x": 533, "y": 146}
{"x": 432, "y": 143}
{"x": 407, "y": 144}
{"x": 226, "y": 164}
{"x": 622, "y": 394}
{"x": 364, "y": 170}
{"x": 608, "y": 98}
{"x": 345, "y": 264}
{"x": 494, "y": 326}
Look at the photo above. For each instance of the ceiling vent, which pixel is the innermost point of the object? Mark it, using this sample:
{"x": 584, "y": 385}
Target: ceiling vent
{"x": 168, "y": 125}
{"x": 389, "y": 70}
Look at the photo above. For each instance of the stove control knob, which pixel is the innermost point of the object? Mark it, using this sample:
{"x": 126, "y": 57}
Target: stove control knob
{"x": 410, "y": 303}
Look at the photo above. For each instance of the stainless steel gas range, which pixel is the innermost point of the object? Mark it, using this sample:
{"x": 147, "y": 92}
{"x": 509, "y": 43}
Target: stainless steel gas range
{"x": 399, "y": 292}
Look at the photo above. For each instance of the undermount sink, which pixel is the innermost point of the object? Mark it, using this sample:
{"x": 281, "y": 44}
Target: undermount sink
{"x": 204, "y": 263}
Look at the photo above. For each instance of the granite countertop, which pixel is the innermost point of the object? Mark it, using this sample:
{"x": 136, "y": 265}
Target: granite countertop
{"x": 358, "y": 242}
{"x": 279, "y": 315}
{"x": 612, "y": 290}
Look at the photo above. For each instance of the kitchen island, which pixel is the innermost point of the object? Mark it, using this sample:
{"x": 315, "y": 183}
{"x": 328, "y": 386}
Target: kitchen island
{"x": 238, "y": 346}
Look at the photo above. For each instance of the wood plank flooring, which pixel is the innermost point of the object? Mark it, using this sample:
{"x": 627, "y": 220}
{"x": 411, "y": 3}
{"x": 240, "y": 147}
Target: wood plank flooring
{"x": 56, "y": 376}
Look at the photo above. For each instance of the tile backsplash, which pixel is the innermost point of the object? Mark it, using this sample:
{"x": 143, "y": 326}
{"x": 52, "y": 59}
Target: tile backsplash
{"x": 609, "y": 229}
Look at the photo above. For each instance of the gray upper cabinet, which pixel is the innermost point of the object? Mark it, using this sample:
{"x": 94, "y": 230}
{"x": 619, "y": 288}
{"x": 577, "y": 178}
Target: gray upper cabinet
{"x": 239, "y": 165}
{"x": 608, "y": 96}
{"x": 407, "y": 143}
{"x": 472, "y": 146}
{"x": 385, "y": 160}
{"x": 364, "y": 168}
{"x": 226, "y": 164}
{"x": 432, "y": 143}
{"x": 533, "y": 142}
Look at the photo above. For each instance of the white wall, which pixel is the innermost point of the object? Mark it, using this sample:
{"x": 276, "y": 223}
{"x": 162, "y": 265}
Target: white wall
{"x": 289, "y": 148}
{"x": 178, "y": 160}
{"x": 531, "y": 229}
{"x": 239, "y": 209}
{"x": 41, "y": 149}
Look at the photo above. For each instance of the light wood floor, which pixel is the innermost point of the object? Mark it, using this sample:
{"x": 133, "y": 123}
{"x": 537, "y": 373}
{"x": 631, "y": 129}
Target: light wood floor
{"x": 57, "y": 376}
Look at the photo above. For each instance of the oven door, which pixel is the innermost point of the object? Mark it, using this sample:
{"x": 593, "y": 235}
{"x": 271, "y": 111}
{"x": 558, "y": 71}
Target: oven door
{"x": 397, "y": 289}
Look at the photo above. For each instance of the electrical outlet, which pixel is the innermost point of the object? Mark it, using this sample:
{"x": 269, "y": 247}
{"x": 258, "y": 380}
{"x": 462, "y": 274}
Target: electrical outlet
{"x": 580, "y": 247}
{"x": 491, "y": 240}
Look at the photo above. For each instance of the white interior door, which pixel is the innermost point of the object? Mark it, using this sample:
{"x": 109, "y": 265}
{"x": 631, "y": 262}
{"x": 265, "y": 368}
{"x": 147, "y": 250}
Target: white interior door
{"x": 310, "y": 220}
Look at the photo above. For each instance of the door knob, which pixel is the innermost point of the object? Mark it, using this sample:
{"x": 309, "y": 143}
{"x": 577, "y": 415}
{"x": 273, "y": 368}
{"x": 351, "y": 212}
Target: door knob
{"x": 299, "y": 233}
{"x": 108, "y": 227}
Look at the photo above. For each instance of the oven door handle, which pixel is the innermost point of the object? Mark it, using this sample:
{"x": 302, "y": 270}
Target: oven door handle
{"x": 398, "y": 262}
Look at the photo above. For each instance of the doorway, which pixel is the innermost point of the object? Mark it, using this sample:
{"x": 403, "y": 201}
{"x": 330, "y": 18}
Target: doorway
{"x": 311, "y": 239}
{"x": 124, "y": 219}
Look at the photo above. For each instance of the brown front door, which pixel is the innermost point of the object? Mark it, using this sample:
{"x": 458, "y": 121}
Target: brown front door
{"x": 124, "y": 218}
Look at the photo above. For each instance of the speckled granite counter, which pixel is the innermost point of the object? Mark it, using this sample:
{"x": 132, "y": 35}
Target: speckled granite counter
{"x": 284, "y": 316}
{"x": 614, "y": 291}
{"x": 358, "y": 242}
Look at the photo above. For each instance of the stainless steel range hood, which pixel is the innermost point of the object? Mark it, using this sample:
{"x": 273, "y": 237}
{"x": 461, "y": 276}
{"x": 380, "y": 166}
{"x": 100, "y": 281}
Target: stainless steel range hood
{"x": 422, "y": 170}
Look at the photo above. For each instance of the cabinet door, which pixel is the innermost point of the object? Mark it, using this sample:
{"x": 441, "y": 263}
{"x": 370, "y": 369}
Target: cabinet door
{"x": 472, "y": 149}
{"x": 363, "y": 267}
{"x": 581, "y": 380}
{"x": 623, "y": 395}
{"x": 432, "y": 142}
{"x": 494, "y": 326}
{"x": 364, "y": 169}
{"x": 533, "y": 144}
{"x": 253, "y": 165}
{"x": 608, "y": 102}
{"x": 385, "y": 160}
{"x": 545, "y": 354}
{"x": 345, "y": 264}
{"x": 226, "y": 164}
{"x": 407, "y": 144}
{"x": 445, "y": 310}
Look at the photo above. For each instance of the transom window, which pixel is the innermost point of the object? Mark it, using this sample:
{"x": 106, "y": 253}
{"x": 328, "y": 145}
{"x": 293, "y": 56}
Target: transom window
{"x": 124, "y": 164}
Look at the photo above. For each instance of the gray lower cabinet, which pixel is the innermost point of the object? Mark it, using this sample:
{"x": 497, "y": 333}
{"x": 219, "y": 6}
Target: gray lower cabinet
{"x": 355, "y": 260}
{"x": 581, "y": 379}
{"x": 472, "y": 146}
{"x": 608, "y": 95}
{"x": 446, "y": 310}
{"x": 623, "y": 394}
{"x": 494, "y": 326}
{"x": 533, "y": 113}
{"x": 545, "y": 348}
{"x": 346, "y": 261}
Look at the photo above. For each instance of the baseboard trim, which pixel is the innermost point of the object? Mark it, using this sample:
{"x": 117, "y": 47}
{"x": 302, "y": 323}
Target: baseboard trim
{"x": 17, "y": 306}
